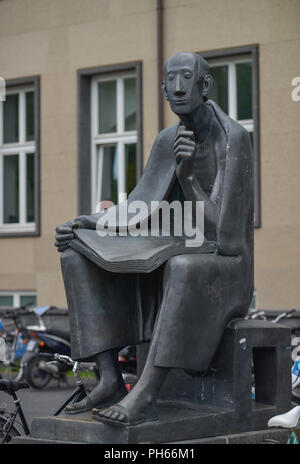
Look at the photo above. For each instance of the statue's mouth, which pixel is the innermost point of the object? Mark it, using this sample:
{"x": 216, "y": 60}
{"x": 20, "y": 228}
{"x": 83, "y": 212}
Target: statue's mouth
{"x": 180, "y": 102}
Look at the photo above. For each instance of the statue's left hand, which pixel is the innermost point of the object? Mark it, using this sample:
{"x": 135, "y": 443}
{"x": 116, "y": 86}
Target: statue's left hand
{"x": 65, "y": 232}
{"x": 184, "y": 151}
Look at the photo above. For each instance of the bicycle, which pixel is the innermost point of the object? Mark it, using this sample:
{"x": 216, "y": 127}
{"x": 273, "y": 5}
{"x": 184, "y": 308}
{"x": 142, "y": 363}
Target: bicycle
{"x": 81, "y": 389}
{"x": 8, "y": 429}
{"x": 15, "y": 335}
{"x": 7, "y": 420}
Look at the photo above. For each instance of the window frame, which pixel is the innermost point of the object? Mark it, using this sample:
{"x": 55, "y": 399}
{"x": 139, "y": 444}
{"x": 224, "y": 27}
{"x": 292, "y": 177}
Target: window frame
{"x": 86, "y": 141}
{"x": 235, "y": 54}
{"x": 17, "y": 294}
{"x": 22, "y": 148}
{"x": 120, "y": 138}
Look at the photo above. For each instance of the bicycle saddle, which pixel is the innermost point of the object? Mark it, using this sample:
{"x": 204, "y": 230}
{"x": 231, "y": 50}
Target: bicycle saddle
{"x": 10, "y": 386}
{"x": 288, "y": 420}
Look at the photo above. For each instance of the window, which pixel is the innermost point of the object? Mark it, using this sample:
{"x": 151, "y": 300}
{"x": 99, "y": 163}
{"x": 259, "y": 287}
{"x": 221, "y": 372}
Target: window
{"x": 235, "y": 90}
{"x": 110, "y": 156}
{"x": 19, "y": 153}
{"x": 232, "y": 88}
{"x": 114, "y": 137}
{"x": 17, "y": 299}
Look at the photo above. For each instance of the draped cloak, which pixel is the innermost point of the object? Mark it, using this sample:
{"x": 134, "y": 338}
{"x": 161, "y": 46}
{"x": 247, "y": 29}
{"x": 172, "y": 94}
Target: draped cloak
{"x": 191, "y": 297}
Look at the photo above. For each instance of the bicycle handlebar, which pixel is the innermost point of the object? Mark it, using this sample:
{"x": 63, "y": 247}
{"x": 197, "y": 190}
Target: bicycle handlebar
{"x": 62, "y": 357}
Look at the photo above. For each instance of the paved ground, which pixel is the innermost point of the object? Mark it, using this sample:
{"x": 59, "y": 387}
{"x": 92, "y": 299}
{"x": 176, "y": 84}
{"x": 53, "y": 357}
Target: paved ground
{"x": 38, "y": 403}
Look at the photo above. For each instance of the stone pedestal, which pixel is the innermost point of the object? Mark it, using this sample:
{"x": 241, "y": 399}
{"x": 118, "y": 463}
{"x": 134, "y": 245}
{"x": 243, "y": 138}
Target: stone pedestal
{"x": 193, "y": 407}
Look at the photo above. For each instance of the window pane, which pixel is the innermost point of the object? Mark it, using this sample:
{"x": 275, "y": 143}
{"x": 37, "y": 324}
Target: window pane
{"x": 108, "y": 173}
{"x": 244, "y": 90}
{"x": 29, "y": 116}
{"x": 107, "y": 107}
{"x": 11, "y": 118}
{"x": 130, "y": 104}
{"x": 219, "y": 90}
{"x": 130, "y": 154}
{"x": 6, "y": 300}
{"x": 29, "y": 300}
{"x": 30, "y": 187}
{"x": 11, "y": 188}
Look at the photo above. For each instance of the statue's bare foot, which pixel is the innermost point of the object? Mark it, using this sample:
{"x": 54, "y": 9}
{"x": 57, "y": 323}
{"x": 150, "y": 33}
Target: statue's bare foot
{"x": 132, "y": 410}
{"x": 101, "y": 396}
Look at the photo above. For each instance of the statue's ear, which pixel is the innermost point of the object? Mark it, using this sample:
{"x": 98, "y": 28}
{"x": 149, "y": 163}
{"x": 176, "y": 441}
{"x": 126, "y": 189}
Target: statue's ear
{"x": 164, "y": 90}
{"x": 207, "y": 84}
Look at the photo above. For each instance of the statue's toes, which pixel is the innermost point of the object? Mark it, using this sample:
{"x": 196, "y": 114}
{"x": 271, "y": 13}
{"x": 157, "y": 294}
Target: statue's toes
{"x": 113, "y": 415}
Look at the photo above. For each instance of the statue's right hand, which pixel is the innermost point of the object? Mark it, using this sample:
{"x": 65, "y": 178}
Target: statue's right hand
{"x": 64, "y": 235}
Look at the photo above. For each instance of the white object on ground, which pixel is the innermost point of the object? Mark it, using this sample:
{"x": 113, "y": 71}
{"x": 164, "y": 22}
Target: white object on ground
{"x": 288, "y": 420}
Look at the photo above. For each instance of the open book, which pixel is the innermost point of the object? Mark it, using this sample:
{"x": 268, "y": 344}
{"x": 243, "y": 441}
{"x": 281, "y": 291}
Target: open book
{"x": 132, "y": 254}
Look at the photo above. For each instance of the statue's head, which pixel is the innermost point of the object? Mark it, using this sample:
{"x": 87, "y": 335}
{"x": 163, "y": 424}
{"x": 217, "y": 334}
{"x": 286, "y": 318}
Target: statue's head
{"x": 187, "y": 82}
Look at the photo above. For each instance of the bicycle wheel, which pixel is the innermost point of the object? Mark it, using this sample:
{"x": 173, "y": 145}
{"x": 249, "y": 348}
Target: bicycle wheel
{"x": 13, "y": 431}
{"x": 36, "y": 377}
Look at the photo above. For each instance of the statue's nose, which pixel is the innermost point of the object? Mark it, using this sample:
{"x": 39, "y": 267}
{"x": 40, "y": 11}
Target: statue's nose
{"x": 179, "y": 88}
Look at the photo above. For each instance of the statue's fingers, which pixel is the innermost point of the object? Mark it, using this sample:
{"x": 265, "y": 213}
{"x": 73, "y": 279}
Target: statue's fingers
{"x": 185, "y": 133}
{"x": 184, "y": 149}
{"x": 181, "y": 128}
{"x": 61, "y": 243}
{"x": 64, "y": 237}
{"x": 182, "y": 156}
{"x": 63, "y": 229}
{"x": 184, "y": 141}
{"x": 62, "y": 248}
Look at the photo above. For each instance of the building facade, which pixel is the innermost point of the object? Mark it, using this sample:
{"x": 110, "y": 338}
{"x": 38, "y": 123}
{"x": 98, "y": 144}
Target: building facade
{"x": 83, "y": 108}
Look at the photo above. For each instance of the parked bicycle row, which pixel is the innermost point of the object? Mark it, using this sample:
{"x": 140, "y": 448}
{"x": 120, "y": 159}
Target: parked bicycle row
{"x": 33, "y": 335}
{"x": 37, "y": 343}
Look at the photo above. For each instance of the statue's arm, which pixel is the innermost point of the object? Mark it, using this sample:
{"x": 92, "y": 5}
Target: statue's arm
{"x": 236, "y": 208}
{"x": 226, "y": 210}
{"x": 193, "y": 191}
{"x": 184, "y": 150}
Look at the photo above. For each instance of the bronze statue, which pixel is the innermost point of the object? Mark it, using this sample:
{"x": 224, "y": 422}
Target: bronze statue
{"x": 184, "y": 304}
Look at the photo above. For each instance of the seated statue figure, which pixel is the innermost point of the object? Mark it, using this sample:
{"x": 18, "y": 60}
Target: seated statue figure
{"x": 183, "y": 306}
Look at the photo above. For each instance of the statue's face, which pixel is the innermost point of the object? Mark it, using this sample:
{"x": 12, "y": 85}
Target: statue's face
{"x": 182, "y": 86}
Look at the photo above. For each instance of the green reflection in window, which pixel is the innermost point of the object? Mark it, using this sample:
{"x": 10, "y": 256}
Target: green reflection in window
{"x": 130, "y": 104}
{"x": 219, "y": 90}
{"x": 28, "y": 300}
{"x": 30, "y": 187}
{"x": 6, "y": 300}
{"x": 11, "y": 118}
{"x": 109, "y": 170}
{"x": 130, "y": 154}
{"x": 11, "y": 188}
{"x": 107, "y": 107}
{"x": 29, "y": 116}
{"x": 244, "y": 90}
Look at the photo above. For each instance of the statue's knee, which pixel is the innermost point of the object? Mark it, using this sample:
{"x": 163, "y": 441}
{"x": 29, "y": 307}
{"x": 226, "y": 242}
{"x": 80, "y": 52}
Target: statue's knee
{"x": 69, "y": 256}
{"x": 178, "y": 264}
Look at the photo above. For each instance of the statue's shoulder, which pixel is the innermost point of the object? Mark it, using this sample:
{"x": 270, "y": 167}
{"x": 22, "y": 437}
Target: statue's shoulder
{"x": 234, "y": 130}
{"x": 167, "y": 135}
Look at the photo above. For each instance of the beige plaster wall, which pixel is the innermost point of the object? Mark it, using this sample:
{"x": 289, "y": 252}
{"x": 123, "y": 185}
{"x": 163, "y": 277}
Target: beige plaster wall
{"x": 55, "y": 38}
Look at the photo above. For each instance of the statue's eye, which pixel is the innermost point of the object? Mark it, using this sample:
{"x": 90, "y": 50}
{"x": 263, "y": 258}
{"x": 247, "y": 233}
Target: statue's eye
{"x": 171, "y": 77}
{"x": 187, "y": 75}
